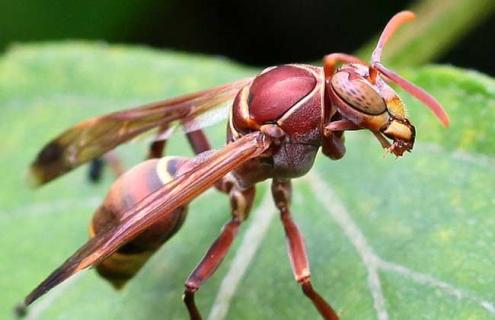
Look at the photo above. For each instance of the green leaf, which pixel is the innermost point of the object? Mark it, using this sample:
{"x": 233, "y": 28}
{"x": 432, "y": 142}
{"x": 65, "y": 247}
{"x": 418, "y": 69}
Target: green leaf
{"x": 390, "y": 238}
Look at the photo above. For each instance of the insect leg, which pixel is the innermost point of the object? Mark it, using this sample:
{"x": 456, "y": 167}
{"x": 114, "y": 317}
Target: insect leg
{"x": 196, "y": 136}
{"x": 95, "y": 170}
{"x": 155, "y": 150}
{"x": 157, "y": 147}
{"x": 241, "y": 201}
{"x": 114, "y": 163}
{"x": 281, "y": 191}
{"x": 97, "y": 165}
{"x": 198, "y": 141}
{"x": 333, "y": 137}
{"x": 340, "y": 125}
{"x": 333, "y": 142}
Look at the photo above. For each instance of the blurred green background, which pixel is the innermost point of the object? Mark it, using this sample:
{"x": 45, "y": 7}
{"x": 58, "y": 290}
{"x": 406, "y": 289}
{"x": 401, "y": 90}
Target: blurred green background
{"x": 253, "y": 32}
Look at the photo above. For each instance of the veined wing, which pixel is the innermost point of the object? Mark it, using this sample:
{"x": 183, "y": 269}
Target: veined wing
{"x": 176, "y": 193}
{"x": 94, "y": 137}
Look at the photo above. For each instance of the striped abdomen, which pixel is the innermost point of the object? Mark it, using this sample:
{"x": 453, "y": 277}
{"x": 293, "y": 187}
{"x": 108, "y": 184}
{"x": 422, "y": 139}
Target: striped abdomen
{"x": 125, "y": 193}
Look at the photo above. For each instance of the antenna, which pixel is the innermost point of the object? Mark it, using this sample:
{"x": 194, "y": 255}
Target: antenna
{"x": 376, "y": 66}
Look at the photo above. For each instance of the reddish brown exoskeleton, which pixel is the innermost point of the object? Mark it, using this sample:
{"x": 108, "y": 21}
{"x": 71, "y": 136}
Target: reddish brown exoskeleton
{"x": 277, "y": 123}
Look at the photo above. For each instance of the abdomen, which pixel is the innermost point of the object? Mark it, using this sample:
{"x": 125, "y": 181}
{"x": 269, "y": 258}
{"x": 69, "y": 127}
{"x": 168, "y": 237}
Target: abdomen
{"x": 128, "y": 190}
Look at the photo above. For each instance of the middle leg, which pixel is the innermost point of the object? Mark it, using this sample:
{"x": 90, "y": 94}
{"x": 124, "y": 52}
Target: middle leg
{"x": 281, "y": 191}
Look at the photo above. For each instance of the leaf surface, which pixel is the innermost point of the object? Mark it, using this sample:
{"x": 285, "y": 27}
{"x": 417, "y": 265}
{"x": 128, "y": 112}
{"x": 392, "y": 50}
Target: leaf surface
{"x": 387, "y": 238}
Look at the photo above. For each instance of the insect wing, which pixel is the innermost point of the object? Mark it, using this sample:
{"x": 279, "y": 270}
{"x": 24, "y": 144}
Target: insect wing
{"x": 94, "y": 137}
{"x": 176, "y": 193}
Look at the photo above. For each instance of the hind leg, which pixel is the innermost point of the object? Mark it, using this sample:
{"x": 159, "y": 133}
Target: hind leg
{"x": 197, "y": 139}
{"x": 96, "y": 166}
{"x": 241, "y": 202}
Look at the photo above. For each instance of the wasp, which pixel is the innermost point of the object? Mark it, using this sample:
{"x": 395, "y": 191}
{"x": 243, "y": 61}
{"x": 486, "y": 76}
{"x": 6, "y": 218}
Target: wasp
{"x": 277, "y": 122}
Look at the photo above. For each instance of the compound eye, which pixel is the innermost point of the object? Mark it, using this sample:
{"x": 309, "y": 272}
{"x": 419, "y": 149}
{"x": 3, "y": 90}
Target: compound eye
{"x": 358, "y": 94}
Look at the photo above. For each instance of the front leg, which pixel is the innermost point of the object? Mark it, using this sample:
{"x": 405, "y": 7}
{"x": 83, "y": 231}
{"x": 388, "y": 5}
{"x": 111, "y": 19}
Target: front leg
{"x": 281, "y": 191}
{"x": 333, "y": 137}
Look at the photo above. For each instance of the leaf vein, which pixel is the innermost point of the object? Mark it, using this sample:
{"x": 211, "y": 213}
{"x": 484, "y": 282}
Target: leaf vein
{"x": 374, "y": 263}
{"x": 431, "y": 281}
{"x": 327, "y": 197}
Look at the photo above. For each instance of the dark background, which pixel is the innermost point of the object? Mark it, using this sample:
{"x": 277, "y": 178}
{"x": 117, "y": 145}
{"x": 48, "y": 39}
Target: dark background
{"x": 254, "y": 32}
